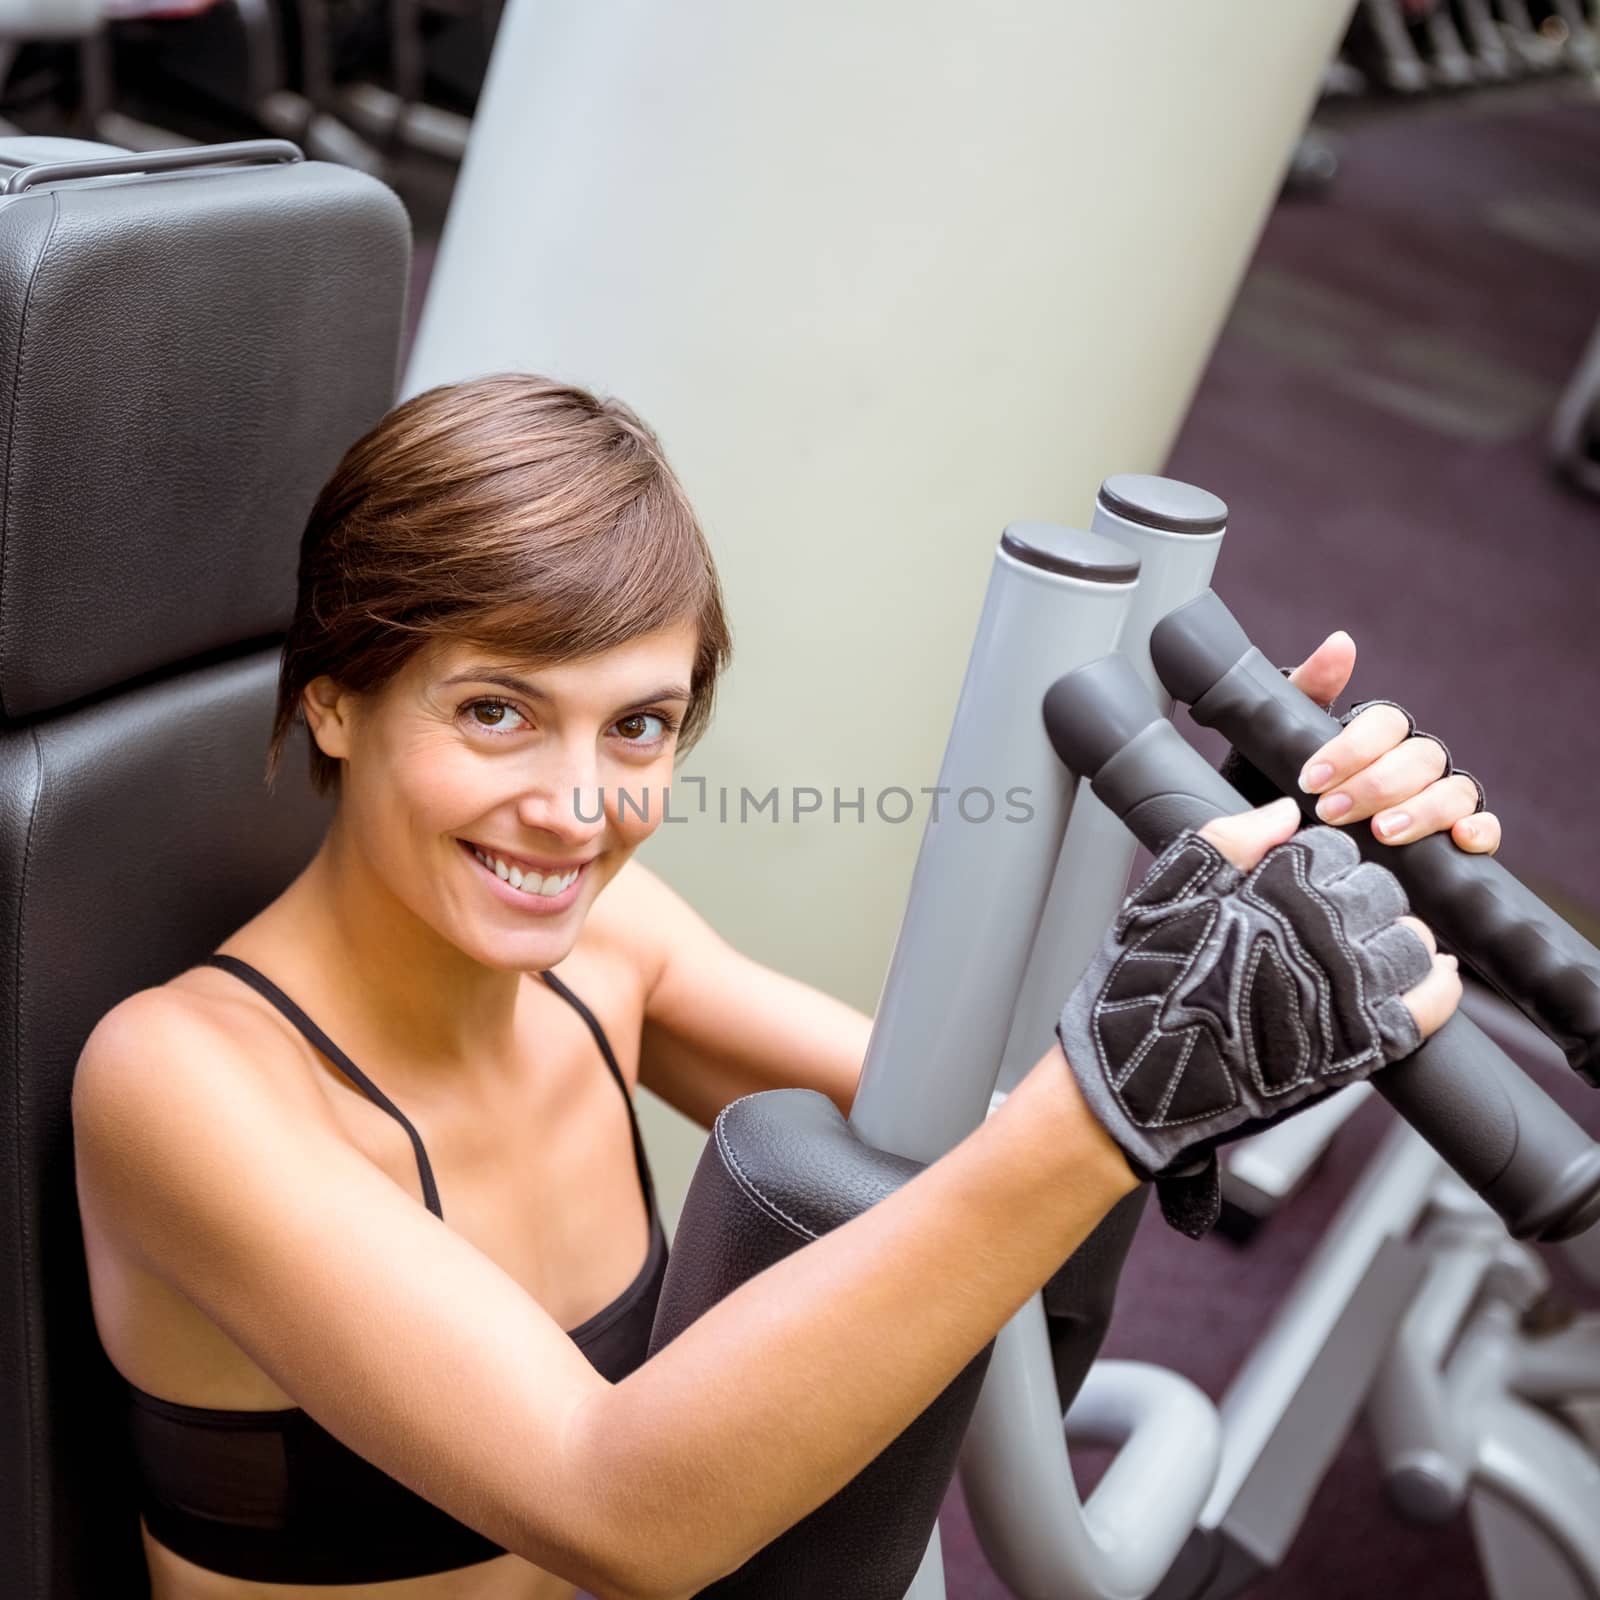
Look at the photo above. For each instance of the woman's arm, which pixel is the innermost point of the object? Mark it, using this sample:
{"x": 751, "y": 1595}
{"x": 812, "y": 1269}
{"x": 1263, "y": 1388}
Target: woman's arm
{"x": 718, "y": 1025}
{"x": 238, "y": 1189}
{"x": 816, "y": 1365}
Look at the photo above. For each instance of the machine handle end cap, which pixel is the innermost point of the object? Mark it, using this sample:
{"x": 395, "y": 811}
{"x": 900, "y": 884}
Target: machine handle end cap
{"x": 1194, "y": 646}
{"x": 1093, "y": 711}
{"x": 1166, "y": 503}
{"x": 1072, "y": 552}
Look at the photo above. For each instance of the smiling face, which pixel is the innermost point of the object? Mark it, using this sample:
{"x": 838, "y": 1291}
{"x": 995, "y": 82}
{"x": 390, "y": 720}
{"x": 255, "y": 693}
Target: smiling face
{"x": 466, "y": 763}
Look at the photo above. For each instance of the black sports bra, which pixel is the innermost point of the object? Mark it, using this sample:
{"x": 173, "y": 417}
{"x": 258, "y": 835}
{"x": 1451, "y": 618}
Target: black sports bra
{"x": 272, "y": 1495}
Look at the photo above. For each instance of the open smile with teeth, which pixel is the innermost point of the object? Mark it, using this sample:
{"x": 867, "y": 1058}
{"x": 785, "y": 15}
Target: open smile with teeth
{"x": 546, "y": 885}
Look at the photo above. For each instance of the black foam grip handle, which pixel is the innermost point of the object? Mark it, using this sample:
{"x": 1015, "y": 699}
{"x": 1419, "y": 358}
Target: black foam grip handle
{"x": 1491, "y": 1123}
{"x": 1499, "y": 927}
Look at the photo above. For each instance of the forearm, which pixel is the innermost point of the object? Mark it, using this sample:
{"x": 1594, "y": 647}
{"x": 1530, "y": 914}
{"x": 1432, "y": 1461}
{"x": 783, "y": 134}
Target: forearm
{"x": 773, "y": 1032}
{"x": 781, "y": 1393}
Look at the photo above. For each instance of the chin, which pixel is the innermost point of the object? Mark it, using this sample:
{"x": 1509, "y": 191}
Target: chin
{"x": 517, "y": 949}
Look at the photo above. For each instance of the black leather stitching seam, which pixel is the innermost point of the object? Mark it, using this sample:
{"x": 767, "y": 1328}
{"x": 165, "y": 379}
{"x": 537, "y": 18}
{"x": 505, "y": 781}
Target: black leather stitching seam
{"x": 30, "y": 1358}
{"x": 11, "y": 433}
{"x": 745, "y": 1182}
{"x": 29, "y": 1348}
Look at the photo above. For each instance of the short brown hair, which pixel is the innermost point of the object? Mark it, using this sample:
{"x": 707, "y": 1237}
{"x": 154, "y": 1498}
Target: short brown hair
{"x": 512, "y": 512}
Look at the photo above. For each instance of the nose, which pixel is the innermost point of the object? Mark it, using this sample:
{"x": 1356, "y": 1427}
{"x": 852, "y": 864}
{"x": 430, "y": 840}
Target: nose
{"x": 566, "y": 800}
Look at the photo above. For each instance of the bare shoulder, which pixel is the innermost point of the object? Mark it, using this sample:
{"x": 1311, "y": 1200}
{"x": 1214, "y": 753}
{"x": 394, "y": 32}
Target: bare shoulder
{"x": 180, "y": 1032}
{"x": 170, "y": 1057}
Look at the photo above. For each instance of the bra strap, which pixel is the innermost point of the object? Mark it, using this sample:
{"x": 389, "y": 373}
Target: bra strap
{"x": 646, "y": 1181}
{"x": 268, "y": 990}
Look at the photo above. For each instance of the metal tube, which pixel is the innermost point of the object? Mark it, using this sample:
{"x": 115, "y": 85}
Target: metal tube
{"x": 1056, "y": 598}
{"x": 1176, "y": 531}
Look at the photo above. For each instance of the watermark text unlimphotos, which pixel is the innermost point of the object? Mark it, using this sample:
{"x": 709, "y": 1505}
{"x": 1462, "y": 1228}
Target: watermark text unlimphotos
{"x": 798, "y": 804}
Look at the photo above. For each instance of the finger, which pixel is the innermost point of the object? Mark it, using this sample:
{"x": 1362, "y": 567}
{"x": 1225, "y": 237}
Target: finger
{"x": 1389, "y": 783}
{"x": 1434, "y": 808}
{"x": 1325, "y": 672}
{"x": 1377, "y": 732}
{"x": 1247, "y": 835}
{"x": 1479, "y": 834}
{"x": 1434, "y": 999}
{"x": 1422, "y": 931}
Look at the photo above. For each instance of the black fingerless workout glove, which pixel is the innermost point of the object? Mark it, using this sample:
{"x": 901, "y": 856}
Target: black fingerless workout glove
{"x": 1221, "y": 999}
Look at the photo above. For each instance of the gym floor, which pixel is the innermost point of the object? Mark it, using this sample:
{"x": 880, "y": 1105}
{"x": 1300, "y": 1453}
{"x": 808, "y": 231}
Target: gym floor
{"x": 1374, "y": 414}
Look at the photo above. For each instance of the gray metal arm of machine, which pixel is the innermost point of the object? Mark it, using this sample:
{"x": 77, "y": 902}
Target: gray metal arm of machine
{"x": 1492, "y": 1124}
{"x": 1509, "y": 936}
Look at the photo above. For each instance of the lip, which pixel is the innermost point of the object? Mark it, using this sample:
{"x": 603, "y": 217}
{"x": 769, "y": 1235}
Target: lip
{"x": 534, "y": 905}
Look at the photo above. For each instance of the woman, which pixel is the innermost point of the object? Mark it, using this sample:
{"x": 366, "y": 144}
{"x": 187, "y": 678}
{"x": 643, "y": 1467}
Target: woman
{"x": 507, "y": 617}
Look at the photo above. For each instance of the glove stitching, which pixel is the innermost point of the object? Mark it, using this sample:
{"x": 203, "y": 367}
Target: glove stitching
{"x": 1115, "y": 1077}
{"x": 1211, "y": 859}
{"x": 1172, "y": 1088}
{"x": 1160, "y": 916}
{"x": 1304, "y": 1074}
{"x": 1297, "y": 860}
{"x": 1324, "y": 1009}
{"x": 1152, "y": 1035}
{"x": 1248, "y": 1019}
{"x": 1103, "y": 1007}
{"x": 1312, "y": 1065}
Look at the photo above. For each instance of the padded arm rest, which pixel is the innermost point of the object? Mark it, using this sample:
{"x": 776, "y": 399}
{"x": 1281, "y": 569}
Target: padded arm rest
{"x": 779, "y": 1170}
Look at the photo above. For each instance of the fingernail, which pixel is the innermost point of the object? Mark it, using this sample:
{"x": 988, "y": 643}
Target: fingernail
{"x": 1469, "y": 831}
{"x": 1395, "y": 822}
{"x": 1333, "y": 806}
{"x": 1315, "y": 775}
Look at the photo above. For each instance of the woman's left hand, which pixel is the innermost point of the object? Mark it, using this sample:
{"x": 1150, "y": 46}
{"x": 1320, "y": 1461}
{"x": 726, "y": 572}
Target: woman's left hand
{"x": 1371, "y": 768}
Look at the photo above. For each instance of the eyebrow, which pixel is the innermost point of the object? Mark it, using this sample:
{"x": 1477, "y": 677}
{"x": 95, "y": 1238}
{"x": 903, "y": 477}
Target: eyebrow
{"x": 670, "y": 691}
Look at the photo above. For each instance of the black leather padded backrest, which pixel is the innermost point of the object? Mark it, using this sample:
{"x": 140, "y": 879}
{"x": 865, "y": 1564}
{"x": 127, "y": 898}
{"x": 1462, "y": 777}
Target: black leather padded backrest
{"x": 183, "y": 360}
{"x": 779, "y": 1170}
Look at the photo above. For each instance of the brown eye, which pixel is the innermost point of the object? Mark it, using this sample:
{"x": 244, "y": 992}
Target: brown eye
{"x": 636, "y": 729}
{"x": 492, "y": 715}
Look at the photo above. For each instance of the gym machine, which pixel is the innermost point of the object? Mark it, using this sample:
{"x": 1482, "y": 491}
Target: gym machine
{"x": 344, "y": 79}
{"x": 1411, "y": 1299}
{"x": 1409, "y": 48}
